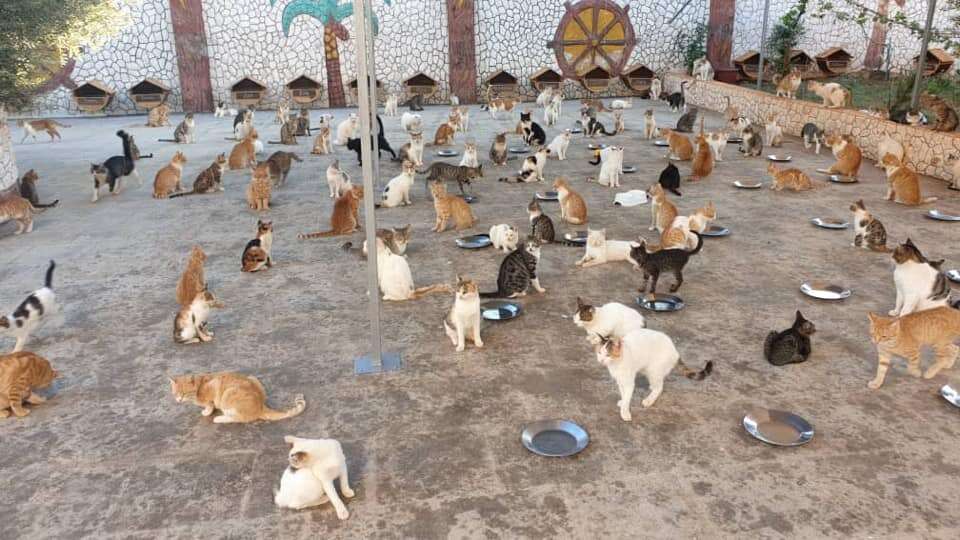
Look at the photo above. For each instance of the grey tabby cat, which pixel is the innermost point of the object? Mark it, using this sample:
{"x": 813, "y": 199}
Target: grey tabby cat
{"x": 210, "y": 180}
{"x": 28, "y": 190}
{"x": 395, "y": 239}
{"x": 498, "y": 150}
{"x": 279, "y": 164}
{"x": 687, "y": 120}
{"x": 752, "y": 144}
{"x": 541, "y": 223}
{"x": 869, "y": 233}
{"x": 288, "y": 133}
{"x": 442, "y": 172}
{"x": 185, "y": 132}
{"x": 812, "y": 136}
{"x": 518, "y": 272}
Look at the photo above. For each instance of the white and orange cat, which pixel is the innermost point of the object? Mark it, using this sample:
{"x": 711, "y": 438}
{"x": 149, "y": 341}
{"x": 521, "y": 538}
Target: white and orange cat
{"x": 792, "y": 179}
{"x": 462, "y": 322}
{"x": 848, "y": 154}
{"x": 662, "y": 211}
{"x": 904, "y": 182}
{"x": 906, "y": 336}
{"x": 680, "y": 147}
{"x": 573, "y": 209}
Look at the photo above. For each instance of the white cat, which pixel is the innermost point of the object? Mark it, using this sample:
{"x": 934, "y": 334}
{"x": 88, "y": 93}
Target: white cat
{"x": 31, "y": 313}
{"x": 599, "y": 250}
{"x": 308, "y": 481}
{"x": 644, "y": 351}
{"x": 337, "y": 180}
{"x": 739, "y": 125}
{"x": 190, "y": 324}
{"x": 257, "y": 147}
{"x": 889, "y": 145}
{"x": 463, "y": 320}
{"x": 717, "y": 142}
{"x": 504, "y": 237}
{"x": 551, "y": 113}
{"x": 411, "y": 123}
{"x": 396, "y": 281}
{"x": 620, "y": 104}
{"x": 221, "y": 111}
{"x": 390, "y": 107}
{"x": 347, "y": 129}
{"x": 773, "y": 132}
{"x": 454, "y": 100}
{"x": 618, "y": 124}
{"x": 650, "y": 125}
{"x": 656, "y": 89}
{"x": 470, "y": 157}
{"x": 920, "y": 285}
{"x": 545, "y": 97}
{"x": 464, "y": 124}
{"x": 558, "y": 146}
{"x": 397, "y": 191}
{"x": 611, "y": 166}
{"x": 702, "y": 69}
{"x": 612, "y": 320}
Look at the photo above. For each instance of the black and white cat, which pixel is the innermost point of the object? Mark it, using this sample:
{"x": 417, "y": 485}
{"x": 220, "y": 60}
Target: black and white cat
{"x": 533, "y": 134}
{"x": 518, "y": 272}
{"x": 677, "y": 100}
{"x": 114, "y": 169}
{"x": 31, "y": 313}
{"x": 592, "y": 126}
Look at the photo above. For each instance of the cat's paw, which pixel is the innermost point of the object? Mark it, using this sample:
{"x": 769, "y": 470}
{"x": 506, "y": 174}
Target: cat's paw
{"x": 874, "y": 384}
{"x": 343, "y": 514}
{"x": 647, "y": 403}
{"x": 929, "y": 374}
{"x": 21, "y": 412}
{"x": 478, "y": 343}
{"x": 460, "y": 348}
{"x": 892, "y": 313}
{"x": 348, "y": 493}
{"x": 626, "y": 416}
{"x": 207, "y": 412}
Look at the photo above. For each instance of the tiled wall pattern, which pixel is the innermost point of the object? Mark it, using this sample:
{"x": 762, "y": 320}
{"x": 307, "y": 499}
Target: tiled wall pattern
{"x": 8, "y": 163}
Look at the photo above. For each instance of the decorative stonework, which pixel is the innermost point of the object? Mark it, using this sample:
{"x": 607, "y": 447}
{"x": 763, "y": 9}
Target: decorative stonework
{"x": 8, "y": 163}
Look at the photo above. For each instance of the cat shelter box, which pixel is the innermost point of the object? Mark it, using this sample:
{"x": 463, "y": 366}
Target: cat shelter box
{"x": 596, "y": 80}
{"x": 938, "y": 61}
{"x": 834, "y": 61}
{"x": 802, "y": 62}
{"x": 148, "y": 93}
{"x": 638, "y": 78}
{"x": 420, "y": 83}
{"x": 304, "y": 90}
{"x": 354, "y": 92}
{"x": 92, "y": 96}
{"x": 545, "y": 78}
{"x": 248, "y": 92}
{"x": 748, "y": 64}
{"x": 502, "y": 84}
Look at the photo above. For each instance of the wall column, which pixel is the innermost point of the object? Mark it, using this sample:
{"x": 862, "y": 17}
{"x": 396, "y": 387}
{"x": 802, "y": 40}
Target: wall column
{"x": 461, "y": 36}
{"x": 193, "y": 61}
{"x": 720, "y": 39}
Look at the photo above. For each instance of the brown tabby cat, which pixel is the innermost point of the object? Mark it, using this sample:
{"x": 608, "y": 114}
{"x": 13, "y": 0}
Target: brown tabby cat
{"x": 279, "y": 164}
{"x": 662, "y": 211}
{"x": 498, "y": 149}
{"x": 288, "y": 133}
{"x": 573, "y": 209}
{"x": 448, "y": 206}
{"x": 444, "y": 134}
{"x": 321, "y": 143}
{"x": 259, "y": 188}
{"x": 787, "y": 85}
{"x": 345, "y": 218}
{"x": 904, "y": 182}
{"x": 192, "y": 280}
{"x": 849, "y": 157}
{"x": 16, "y": 208}
{"x": 21, "y": 373}
{"x": 28, "y": 190}
{"x": 792, "y": 179}
{"x": 905, "y": 336}
{"x": 159, "y": 116}
{"x": 244, "y": 153}
{"x": 210, "y": 180}
{"x": 680, "y": 147}
{"x": 241, "y": 398}
{"x": 947, "y": 119}
{"x": 167, "y": 180}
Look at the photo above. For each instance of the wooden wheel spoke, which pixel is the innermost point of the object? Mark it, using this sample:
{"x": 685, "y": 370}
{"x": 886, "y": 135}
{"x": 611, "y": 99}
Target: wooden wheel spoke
{"x": 586, "y": 31}
{"x": 574, "y": 42}
{"x": 580, "y": 57}
{"x": 596, "y": 19}
{"x": 620, "y": 42}
{"x": 610, "y": 25}
{"x": 610, "y": 62}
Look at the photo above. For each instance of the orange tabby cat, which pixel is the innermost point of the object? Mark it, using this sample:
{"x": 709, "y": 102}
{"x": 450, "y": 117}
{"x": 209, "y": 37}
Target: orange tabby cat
{"x": 18, "y": 209}
{"x": 321, "y": 143}
{"x": 703, "y": 162}
{"x": 241, "y": 398}
{"x": 448, "y": 206}
{"x": 904, "y": 182}
{"x": 345, "y": 218}
{"x": 244, "y": 153}
{"x": 192, "y": 280}
{"x": 677, "y": 234}
{"x": 905, "y": 336}
{"x": 847, "y": 153}
{"x": 680, "y": 147}
{"x": 792, "y": 179}
{"x": 573, "y": 209}
{"x": 259, "y": 188}
{"x": 167, "y": 180}
{"x": 444, "y": 135}
{"x": 21, "y": 373}
{"x": 662, "y": 211}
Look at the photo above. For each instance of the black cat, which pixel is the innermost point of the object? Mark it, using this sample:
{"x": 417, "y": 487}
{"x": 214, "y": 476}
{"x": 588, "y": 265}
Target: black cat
{"x": 791, "y": 346}
{"x": 677, "y": 99}
{"x": 518, "y": 272}
{"x": 383, "y": 143}
{"x": 670, "y": 179}
{"x": 415, "y": 102}
{"x": 664, "y": 260}
{"x": 115, "y": 167}
{"x": 533, "y": 134}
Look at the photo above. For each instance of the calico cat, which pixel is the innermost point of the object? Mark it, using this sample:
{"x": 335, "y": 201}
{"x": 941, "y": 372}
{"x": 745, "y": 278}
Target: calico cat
{"x": 20, "y": 374}
{"x": 395, "y": 239}
{"x": 398, "y": 188}
{"x": 470, "y": 158}
{"x": 532, "y": 168}
{"x": 920, "y": 283}
{"x": 259, "y": 188}
{"x": 946, "y": 115}
{"x": 308, "y": 481}
{"x": 687, "y": 120}
{"x": 32, "y": 312}
{"x": 518, "y": 272}
{"x": 321, "y": 143}
{"x": 463, "y": 320}
{"x": 813, "y": 136}
{"x": 676, "y": 100}
{"x": 168, "y": 178}
{"x": 413, "y": 150}
{"x": 787, "y": 85}
{"x": 599, "y": 250}
{"x": 717, "y": 141}
{"x": 792, "y": 179}
{"x": 244, "y": 153}
{"x": 533, "y": 134}
{"x": 28, "y": 190}
{"x": 443, "y": 172}
{"x": 613, "y": 320}
{"x": 504, "y": 237}
{"x": 906, "y": 336}
{"x": 752, "y": 144}
{"x": 32, "y": 127}
{"x": 664, "y": 260}
{"x": 649, "y": 125}
{"x": 256, "y": 255}
{"x": 337, "y": 180}
{"x": 643, "y": 351}
{"x": 190, "y": 324}
{"x": 345, "y": 218}
{"x": 868, "y": 232}
{"x": 240, "y": 398}
{"x": 662, "y": 211}
{"x": 210, "y": 180}
{"x": 904, "y": 183}
{"x": 833, "y": 95}
{"x": 541, "y": 225}
{"x": 447, "y": 206}
{"x": 498, "y": 149}
{"x": 185, "y": 133}
{"x": 670, "y": 179}
{"x": 279, "y": 164}
{"x": 193, "y": 280}
{"x": 498, "y": 105}
{"x": 573, "y": 209}
{"x": 791, "y": 346}
{"x": 680, "y": 147}
{"x": 16, "y": 208}
{"x": 114, "y": 169}
{"x": 558, "y": 146}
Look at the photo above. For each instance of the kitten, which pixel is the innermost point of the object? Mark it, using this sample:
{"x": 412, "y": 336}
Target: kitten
{"x": 907, "y": 335}
{"x": 868, "y": 232}
{"x": 947, "y": 119}
{"x": 573, "y": 209}
{"x": 649, "y": 125}
{"x": 920, "y": 283}
{"x": 210, "y": 180}
{"x": 612, "y": 168}
{"x": 190, "y": 324}
{"x": 443, "y": 172}
{"x": 533, "y": 134}
{"x": 240, "y": 398}
{"x": 752, "y": 144}
{"x": 390, "y": 107}
{"x": 447, "y": 206}
{"x": 20, "y": 374}
{"x": 470, "y": 158}
{"x": 504, "y": 237}
{"x": 613, "y": 320}
{"x": 413, "y": 150}
{"x": 812, "y": 136}
{"x": 687, "y": 120}
{"x": 167, "y": 180}
{"x": 337, "y": 180}
{"x": 904, "y": 183}
{"x": 112, "y": 171}
{"x": 259, "y": 188}
{"x": 600, "y": 250}
{"x": 398, "y": 188}
{"x": 662, "y": 211}
{"x": 648, "y": 352}
{"x": 773, "y": 132}
{"x": 541, "y": 225}
{"x": 444, "y": 135}
{"x": 321, "y": 143}
{"x": 889, "y": 145}
{"x": 411, "y": 123}
{"x": 32, "y": 127}
{"x": 192, "y": 281}
{"x": 703, "y": 161}
{"x": 256, "y": 255}
{"x": 32, "y": 312}
{"x": 832, "y": 94}
{"x": 279, "y": 164}
{"x": 792, "y": 179}
{"x": 186, "y": 131}
{"x": 656, "y": 88}
{"x": 787, "y": 85}
{"x": 498, "y": 149}
{"x": 791, "y": 346}
{"x": 308, "y": 481}
{"x": 718, "y": 142}
{"x": 243, "y": 154}
{"x": 518, "y": 272}
{"x": 664, "y": 260}
{"x": 345, "y": 218}
{"x": 347, "y": 129}
{"x": 463, "y": 320}
{"x": 677, "y": 100}
{"x": 670, "y": 179}
{"x": 28, "y": 190}
{"x": 395, "y": 279}
{"x": 680, "y": 147}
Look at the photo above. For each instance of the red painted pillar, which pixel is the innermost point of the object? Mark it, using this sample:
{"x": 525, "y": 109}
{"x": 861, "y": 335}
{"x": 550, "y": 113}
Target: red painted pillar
{"x": 720, "y": 39}
{"x": 461, "y": 36}
{"x": 193, "y": 60}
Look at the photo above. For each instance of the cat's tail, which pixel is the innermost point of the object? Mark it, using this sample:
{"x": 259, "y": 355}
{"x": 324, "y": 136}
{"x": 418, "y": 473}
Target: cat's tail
{"x": 319, "y": 234}
{"x": 694, "y": 374}
{"x": 48, "y": 205}
{"x": 183, "y": 194}
{"x": 423, "y": 291}
{"x": 274, "y": 142}
{"x": 299, "y": 404}
{"x": 295, "y": 157}
{"x": 54, "y": 122}
{"x": 515, "y": 179}
{"x": 568, "y": 243}
{"x": 699, "y": 243}
{"x": 48, "y": 280}
{"x": 927, "y": 200}
{"x": 675, "y": 191}
{"x": 167, "y": 140}
{"x": 768, "y": 344}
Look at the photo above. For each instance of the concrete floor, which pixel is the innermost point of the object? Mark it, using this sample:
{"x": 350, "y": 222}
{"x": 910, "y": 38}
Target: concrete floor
{"x": 434, "y": 450}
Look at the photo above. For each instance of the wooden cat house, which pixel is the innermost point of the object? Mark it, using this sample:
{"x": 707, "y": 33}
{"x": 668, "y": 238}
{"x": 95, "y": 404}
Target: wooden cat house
{"x": 545, "y": 77}
{"x": 248, "y": 92}
{"x": 938, "y": 61}
{"x": 304, "y": 90}
{"x": 93, "y": 96}
{"x": 638, "y": 78}
{"x": 148, "y": 93}
{"x": 420, "y": 83}
{"x": 502, "y": 84}
{"x": 802, "y": 62}
{"x": 834, "y": 61}
{"x": 354, "y": 92}
{"x": 596, "y": 79}
{"x": 748, "y": 64}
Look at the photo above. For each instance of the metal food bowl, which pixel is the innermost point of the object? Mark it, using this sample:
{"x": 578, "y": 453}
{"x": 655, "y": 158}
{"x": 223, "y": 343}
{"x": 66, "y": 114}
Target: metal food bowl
{"x": 548, "y": 196}
{"x": 779, "y": 158}
{"x": 825, "y": 291}
{"x": 837, "y": 179}
{"x": 661, "y": 143}
{"x": 661, "y": 302}
{"x": 470, "y": 199}
{"x": 476, "y": 241}
{"x": 734, "y": 140}
{"x": 938, "y": 215}
{"x": 715, "y": 231}
{"x": 554, "y": 438}
{"x": 578, "y": 237}
{"x": 830, "y": 223}
{"x": 519, "y": 149}
{"x": 953, "y": 275}
{"x": 950, "y": 395}
{"x": 629, "y": 169}
{"x": 447, "y": 152}
{"x": 499, "y": 310}
{"x": 744, "y": 185}
{"x": 779, "y": 428}
{"x": 596, "y": 146}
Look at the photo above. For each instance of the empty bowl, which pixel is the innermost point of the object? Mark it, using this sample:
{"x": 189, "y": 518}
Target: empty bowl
{"x": 830, "y": 223}
{"x": 824, "y": 291}
{"x": 499, "y": 310}
{"x": 747, "y": 185}
{"x": 938, "y": 215}
{"x": 661, "y": 302}
{"x": 554, "y": 438}
{"x": 779, "y": 157}
{"x": 716, "y": 230}
{"x": 475, "y": 241}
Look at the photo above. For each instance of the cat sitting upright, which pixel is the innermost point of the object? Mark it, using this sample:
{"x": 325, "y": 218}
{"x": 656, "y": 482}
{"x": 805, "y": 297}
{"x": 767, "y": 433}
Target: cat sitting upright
{"x": 462, "y": 322}
{"x": 190, "y": 324}
{"x": 28, "y": 190}
{"x": 868, "y": 231}
{"x": 32, "y": 312}
{"x": 308, "y": 481}
{"x": 256, "y": 255}
{"x": 919, "y": 281}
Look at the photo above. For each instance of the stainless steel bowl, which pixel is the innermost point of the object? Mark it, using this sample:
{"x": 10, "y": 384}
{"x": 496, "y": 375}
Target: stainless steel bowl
{"x": 554, "y": 438}
{"x": 779, "y": 428}
{"x": 499, "y": 310}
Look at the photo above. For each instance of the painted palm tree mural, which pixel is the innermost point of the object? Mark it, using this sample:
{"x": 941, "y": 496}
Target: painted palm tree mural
{"x": 873, "y": 59}
{"x": 330, "y": 13}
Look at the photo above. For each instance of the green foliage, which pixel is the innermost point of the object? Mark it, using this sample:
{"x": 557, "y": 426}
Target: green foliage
{"x": 691, "y": 45}
{"x": 785, "y": 36}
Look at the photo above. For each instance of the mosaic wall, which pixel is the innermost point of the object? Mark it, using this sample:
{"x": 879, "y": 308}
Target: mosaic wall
{"x": 8, "y": 162}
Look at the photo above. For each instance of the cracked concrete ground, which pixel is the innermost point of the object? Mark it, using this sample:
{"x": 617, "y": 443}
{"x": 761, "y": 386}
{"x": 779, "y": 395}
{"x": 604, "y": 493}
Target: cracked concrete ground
{"x": 434, "y": 450}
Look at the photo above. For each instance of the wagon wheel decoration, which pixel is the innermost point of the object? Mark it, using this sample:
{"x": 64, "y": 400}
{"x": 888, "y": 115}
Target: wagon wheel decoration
{"x": 593, "y": 33}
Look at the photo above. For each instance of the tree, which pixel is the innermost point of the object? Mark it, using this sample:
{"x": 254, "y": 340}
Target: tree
{"x": 873, "y": 59}
{"x": 785, "y": 36}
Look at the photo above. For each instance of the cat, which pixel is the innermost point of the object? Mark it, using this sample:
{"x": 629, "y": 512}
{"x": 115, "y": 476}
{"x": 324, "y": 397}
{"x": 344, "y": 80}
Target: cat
{"x": 649, "y": 125}
{"x": 321, "y": 143}
{"x": 848, "y": 154}
{"x": 679, "y": 233}
{"x": 308, "y": 481}
{"x": 32, "y": 127}
{"x": 444, "y": 135}
{"x": 532, "y": 168}
{"x": 919, "y": 282}
{"x": 398, "y": 188}
{"x": 35, "y": 309}
{"x": 411, "y": 123}
{"x": 558, "y": 146}
{"x": 793, "y": 179}
{"x": 889, "y": 145}
{"x": 703, "y": 161}
{"x": 470, "y": 158}
{"x": 533, "y": 134}
{"x": 687, "y": 120}
{"x": 738, "y": 125}
{"x": 787, "y": 85}
{"x": 612, "y": 320}
{"x": 28, "y": 190}
{"x": 337, "y": 180}
{"x": 718, "y": 142}
{"x": 731, "y": 112}
{"x": 656, "y": 89}
{"x": 395, "y": 279}
{"x": 677, "y": 100}
{"x": 382, "y": 146}
{"x": 112, "y": 171}
{"x": 498, "y": 149}
{"x": 773, "y": 133}
{"x": 259, "y": 188}
{"x": 518, "y": 272}
{"x": 288, "y": 133}
{"x": 813, "y": 136}
{"x": 447, "y": 206}
{"x": 193, "y": 280}
{"x": 256, "y": 254}
{"x": 702, "y": 70}
{"x": 573, "y": 209}
{"x": 752, "y": 144}
{"x": 242, "y": 129}
{"x": 463, "y": 320}
{"x": 498, "y": 105}
{"x": 278, "y": 164}
{"x": 242, "y": 117}
{"x": 243, "y": 155}
{"x": 664, "y": 260}
{"x": 186, "y": 131}
{"x": 618, "y": 124}
{"x": 221, "y": 110}
{"x": 390, "y": 107}
{"x": 453, "y": 118}
{"x": 551, "y": 112}
{"x": 904, "y": 183}
{"x": 168, "y": 179}
{"x": 302, "y": 122}
{"x": 442, "y": 172}
{"x": 541, "y": 225}
{"x": 670, "y": 179}
{"x": 791, "y": 346}
{"x": 905, "y": 336}
{"x": 868, "y": 231}
{"x": 190, "y": 324}
{"x": 612, "y": 166}
{"x": 210, "y": 180}
{"x": 20, "y": 374}
{"x": 680, "y": 147}
{"x": 592, "y": 126}
{"x": 644, "y": 351}
{"x": 415, "y": 102}
{"x": 240, "y": 398}
{"x": 504, "y": 237}
{"x": 599, "y": 250}
{"x": 135, "y": 152}
{"x": 833, "y": 95}
{"x": 347, "y": 129}
{"x": 395, "y": 239}
{"x": 946, "y": 115}
{"x": 464, "y": 119}
{"x": 662, "y": 211}
{"x": 345, "y": 218}
{"x": 545, "y": 97}
{"x": 159, "y": 116}
{"x": 413, "y": 150}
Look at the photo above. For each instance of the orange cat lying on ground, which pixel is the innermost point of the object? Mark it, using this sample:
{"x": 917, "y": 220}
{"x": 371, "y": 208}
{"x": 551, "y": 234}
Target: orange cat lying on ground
{"x": 241, "y": 398}
{"x": 792, "y": 179}
{"x": 849, "y": 157}
{"x": 905, "y": 336}
{"x": 345, "y": 218}
{"x": 20, "y": 374}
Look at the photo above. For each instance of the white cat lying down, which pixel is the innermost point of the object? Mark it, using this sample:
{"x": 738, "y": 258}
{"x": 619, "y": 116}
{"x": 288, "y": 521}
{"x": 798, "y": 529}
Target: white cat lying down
{"x": 308, "y": 481}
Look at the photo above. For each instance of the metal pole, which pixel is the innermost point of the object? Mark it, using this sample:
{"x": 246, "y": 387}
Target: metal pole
{"x": 763, "y": 41}
{"x": 922, "y": 59}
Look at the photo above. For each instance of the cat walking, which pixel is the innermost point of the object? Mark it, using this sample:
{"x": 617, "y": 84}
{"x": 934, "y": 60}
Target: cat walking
{"x": 32, "y": 312}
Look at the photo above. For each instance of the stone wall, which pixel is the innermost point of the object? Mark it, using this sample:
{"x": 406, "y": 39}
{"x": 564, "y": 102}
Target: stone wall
{"x": 8, "y": 162}
{"x": 928, "y": 149}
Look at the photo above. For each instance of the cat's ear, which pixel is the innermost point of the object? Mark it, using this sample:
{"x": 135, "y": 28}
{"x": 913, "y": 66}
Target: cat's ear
{"x": 799, "y": 318}
{"x": 580, "y": 303}
{"x": 290, "y": 439}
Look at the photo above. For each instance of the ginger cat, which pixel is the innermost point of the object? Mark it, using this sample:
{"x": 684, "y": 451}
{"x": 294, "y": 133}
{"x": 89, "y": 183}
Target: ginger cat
{"x": 573, "y": 209}
{"x": 788, "y": 85}
{"x": 345, "y": 218}
{"x": 849, "y": 157}
{"x": 679, "y": 234}
{"x": 448, "y": 206}
{"x": 905, "y": 336}
{"x": 703, "y": 162}
{"x": 192, "y": 280}
{"x": 244, "y": 153}
{"x": 16, "y": 208}
{"x": 167, "y": 180}
{"x": 259, "y": 188}
{"x": 792, "y": 179}
{"x": 904, "y": 182}
{"x": 680, "y": 147}
{"x": 241, "y": 398}
{"x": 321, "y": 143}
{"x": 444, "y": 134}
{"x": 20, "y": 374}
{"x": 662, "y": 211}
